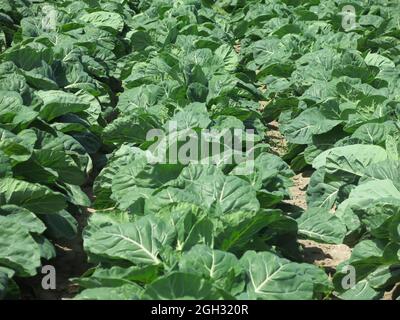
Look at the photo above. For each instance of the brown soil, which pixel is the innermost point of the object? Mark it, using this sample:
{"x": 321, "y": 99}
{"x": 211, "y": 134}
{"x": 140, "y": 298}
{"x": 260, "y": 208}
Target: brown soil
{"x": 324, "y": 255}
{"x": 277, "y": 142}
{"x": 392, "y": 294}
{"x": 298, "y": 191}
{"x": 327, "y": 256}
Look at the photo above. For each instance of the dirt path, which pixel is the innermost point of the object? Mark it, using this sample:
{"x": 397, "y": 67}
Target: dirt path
{"x": 276, "y": 141}
{"x": 327, "y": 256}
{"x": 324, "y": 255}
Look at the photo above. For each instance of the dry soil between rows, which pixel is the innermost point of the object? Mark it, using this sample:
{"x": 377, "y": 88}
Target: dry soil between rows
{"x": 327, "y": 256}
{"x": 324, "y": 255}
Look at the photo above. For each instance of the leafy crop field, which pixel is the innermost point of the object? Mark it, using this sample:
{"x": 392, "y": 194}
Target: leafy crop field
{"x": 103, "y": 108}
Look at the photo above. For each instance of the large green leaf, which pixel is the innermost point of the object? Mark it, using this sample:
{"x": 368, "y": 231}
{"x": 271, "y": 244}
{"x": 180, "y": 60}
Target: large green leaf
{"x": 57, "y": 103}
{"x": 270, "y": 277}
{"x": 34, "y": 197}
{"x": 139, "y": 242}
{"x": 14, "y": 146}
{"x": 352, "y": 159}
{"x": 23, "y": 218}
{"x": 218, "y": 266}
{"x": 125, "y": 292}
{"x": 117, "y": 276}
{"x": 18, "y": 250}
{"x": 183, "y": 286}
{"x": 369, "y": 191}
{"x": 104, "y": 19}
{"x": 320, "y": 225}
{"x": 310, "y": 122}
